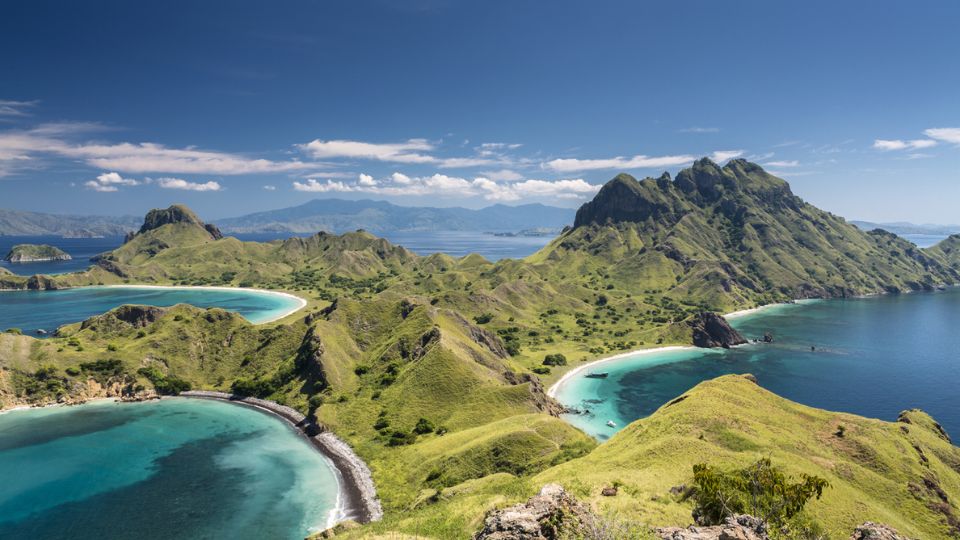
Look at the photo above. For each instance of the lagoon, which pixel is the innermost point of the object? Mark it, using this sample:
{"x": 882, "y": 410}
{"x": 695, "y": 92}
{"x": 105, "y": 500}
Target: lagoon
{"x": 175, "y": 468}
{"x": 873, "y": 356}
{"x": 47, "y": 310}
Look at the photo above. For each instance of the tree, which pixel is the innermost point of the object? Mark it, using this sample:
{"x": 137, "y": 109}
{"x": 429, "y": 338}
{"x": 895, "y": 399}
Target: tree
{"x": 761, "y": 490}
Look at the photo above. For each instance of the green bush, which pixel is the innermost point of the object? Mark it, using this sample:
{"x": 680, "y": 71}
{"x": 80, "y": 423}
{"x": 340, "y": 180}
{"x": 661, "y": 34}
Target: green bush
{"x": 168, "y": 385}
{"x": 761, "y": 490}
{"x": 540, "y": 370}
{"x": 483, "y": 318}
{"x": 423, "y": 426}
{"x": 15, "y": 331}
{"x": 555, "y": 360}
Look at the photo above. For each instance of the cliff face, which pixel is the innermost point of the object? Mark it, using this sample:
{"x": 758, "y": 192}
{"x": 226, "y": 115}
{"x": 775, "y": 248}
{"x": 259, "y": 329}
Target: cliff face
{"x": 712, "y": 330}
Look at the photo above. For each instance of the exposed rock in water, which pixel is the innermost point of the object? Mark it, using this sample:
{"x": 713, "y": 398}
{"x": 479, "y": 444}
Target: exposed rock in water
{"x": 876, "y": 531}
{"x": 712, "y": 330}
{"x": 740, "y": 527}
{"x": 23, "y": 253}
{"x": 551, "y": 514}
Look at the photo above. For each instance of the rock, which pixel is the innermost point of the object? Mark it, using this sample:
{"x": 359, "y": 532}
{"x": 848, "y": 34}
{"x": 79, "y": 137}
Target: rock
{"x": 132, "y": 315}
{"x": 741, "y": 527}
{"x": 767, "y": 337}
{"x": 550, "y": 514}
{"x": 876, "y": 531}
{"x": 609, "y": 491}
{"x": 712, "y": 330}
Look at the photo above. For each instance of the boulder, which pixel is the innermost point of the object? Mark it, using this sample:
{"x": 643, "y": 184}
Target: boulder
{"x": 551, "y": 514}
{"x": 712, "y": 330}
{"x": 741, "y": 527}
{"x": 876, "y": 531}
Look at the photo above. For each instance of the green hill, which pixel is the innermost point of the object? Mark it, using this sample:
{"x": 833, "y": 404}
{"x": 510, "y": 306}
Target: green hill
{"x": 732, "y": 236}
{"x": 433, "y": 368}
{"x": 36, "y": 252}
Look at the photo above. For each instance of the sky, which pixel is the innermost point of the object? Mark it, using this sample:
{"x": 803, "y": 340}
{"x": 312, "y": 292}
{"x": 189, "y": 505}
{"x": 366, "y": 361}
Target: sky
{"x": 116, "y": 107}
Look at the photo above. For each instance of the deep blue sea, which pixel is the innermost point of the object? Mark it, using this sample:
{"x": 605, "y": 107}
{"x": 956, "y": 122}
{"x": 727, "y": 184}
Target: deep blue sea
{"x": 177, "y": 468}
{"x": 81, "y": 249}
{"x": 47, "y": 310}
{"x": 874, "y": 357}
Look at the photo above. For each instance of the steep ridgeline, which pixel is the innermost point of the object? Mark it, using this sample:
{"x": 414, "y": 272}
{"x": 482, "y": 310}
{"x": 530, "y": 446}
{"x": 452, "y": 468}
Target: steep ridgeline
{"x": 175, "y": 245}
{"x": 736, "y": 235}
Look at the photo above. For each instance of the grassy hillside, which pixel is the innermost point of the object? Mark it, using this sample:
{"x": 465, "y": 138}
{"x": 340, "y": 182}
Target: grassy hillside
{"x": 433, "y": 368}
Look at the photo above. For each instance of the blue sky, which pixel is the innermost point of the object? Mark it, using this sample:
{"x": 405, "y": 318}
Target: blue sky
{"x": 238, "y": 106}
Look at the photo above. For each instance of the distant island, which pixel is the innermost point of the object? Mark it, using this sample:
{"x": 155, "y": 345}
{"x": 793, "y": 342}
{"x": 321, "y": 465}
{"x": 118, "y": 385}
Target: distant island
{"x": 379, "y": 217}
{"x": 23, "y": 253}
{"x": 20, "y": 223}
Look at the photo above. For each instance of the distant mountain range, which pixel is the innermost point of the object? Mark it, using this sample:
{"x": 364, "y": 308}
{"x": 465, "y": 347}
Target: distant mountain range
{"x": 17, "y": 223}
{"x": 904, "y": 228}
{"x": 338, "y": 216}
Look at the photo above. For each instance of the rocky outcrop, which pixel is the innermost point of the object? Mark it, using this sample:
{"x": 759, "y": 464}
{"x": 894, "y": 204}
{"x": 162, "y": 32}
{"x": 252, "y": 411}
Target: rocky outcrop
{"x": 740, "y": 527}
{"x": 41, "y": 283}
{"x": 551, "y": 514}
{"x": 131, "y": 315}
{"x": 177, "y": 213}
{"x": 712, "y": 330}
{"x": 876, "y": 531}
{"x": 541, "y": 400}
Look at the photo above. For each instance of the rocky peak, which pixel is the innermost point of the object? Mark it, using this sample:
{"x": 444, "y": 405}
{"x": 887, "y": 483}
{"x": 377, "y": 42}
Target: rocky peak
{"x": 626, "y": 199}
{"x": 176, "y": 213}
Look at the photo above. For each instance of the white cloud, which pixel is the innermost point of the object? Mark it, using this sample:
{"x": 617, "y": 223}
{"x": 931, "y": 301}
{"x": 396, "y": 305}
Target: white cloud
{"x": 636, "y": 162}
{"x": 503, "y": 175}
{"x": 401, "y": 178}
{"x": 896, "y": 144}
{"x": 950, "y": 135}
{"x": 49, "y": 139}
{"x": 723, "y": 155}
{"x": 786, "y": 163}
{"x": 15, "y": 108}
{"x": 399, "y": 184}
{"x": 412, "y": 151}
{"x": 110, "y": 182}
{"x": 269, "y": 187}
{"x": 179, "y": 183}
{"x": 366, "y": 180}
{"x": 696, "y": 129}
{"x": 406, "y": 152}
{"x": 313, "y": 185}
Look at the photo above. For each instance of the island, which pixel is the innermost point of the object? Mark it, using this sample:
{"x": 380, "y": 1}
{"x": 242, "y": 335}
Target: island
{"x": 23, "y": 253}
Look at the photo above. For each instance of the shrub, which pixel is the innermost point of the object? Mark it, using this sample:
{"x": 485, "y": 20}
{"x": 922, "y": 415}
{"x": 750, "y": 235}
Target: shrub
{"x": 423, "y": 426}
{"x": 540, "y": 370}
{"x": 401, "y": 438}
{"x": 483, "y": 318}
{"x": 761, "y": 490}
{"x": 14, "y": 331}
{"x": 555, "y": 360}
{"x": 315, "y": 402}
{"x": 169, "y": 385}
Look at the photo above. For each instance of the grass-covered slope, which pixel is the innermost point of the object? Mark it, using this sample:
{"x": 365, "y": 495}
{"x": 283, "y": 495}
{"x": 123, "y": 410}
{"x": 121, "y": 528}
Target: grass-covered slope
{"x": 905, "y": 474}
{"x": 735, "y": 235}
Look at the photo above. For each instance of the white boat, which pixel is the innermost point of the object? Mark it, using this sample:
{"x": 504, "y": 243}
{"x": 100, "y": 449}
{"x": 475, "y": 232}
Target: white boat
{"x": 611, "y": 424}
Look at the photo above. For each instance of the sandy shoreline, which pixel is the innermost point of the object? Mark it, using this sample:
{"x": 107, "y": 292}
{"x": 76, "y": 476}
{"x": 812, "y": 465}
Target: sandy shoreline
{"x": 356, "y": 493}
{"x": 301, "y": 303}
{"x": 555, "y": 387}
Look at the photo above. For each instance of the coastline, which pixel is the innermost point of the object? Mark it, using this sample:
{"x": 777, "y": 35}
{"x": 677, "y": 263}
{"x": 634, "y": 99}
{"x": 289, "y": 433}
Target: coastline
{"x": 356, "y": 494}
{"x": 555, "y": 387}
{"x": 301, "y": 302}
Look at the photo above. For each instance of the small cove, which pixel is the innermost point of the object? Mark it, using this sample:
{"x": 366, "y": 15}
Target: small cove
{"x": 47, "y": 310}
{"x": 873, "y": 357}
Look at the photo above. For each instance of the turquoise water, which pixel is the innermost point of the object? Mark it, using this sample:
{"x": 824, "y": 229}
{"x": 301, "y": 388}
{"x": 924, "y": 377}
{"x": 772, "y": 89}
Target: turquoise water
{"x": 177, "y": 468}
{"x": 47, "y": 310}
{"x": 874, "y": 357}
